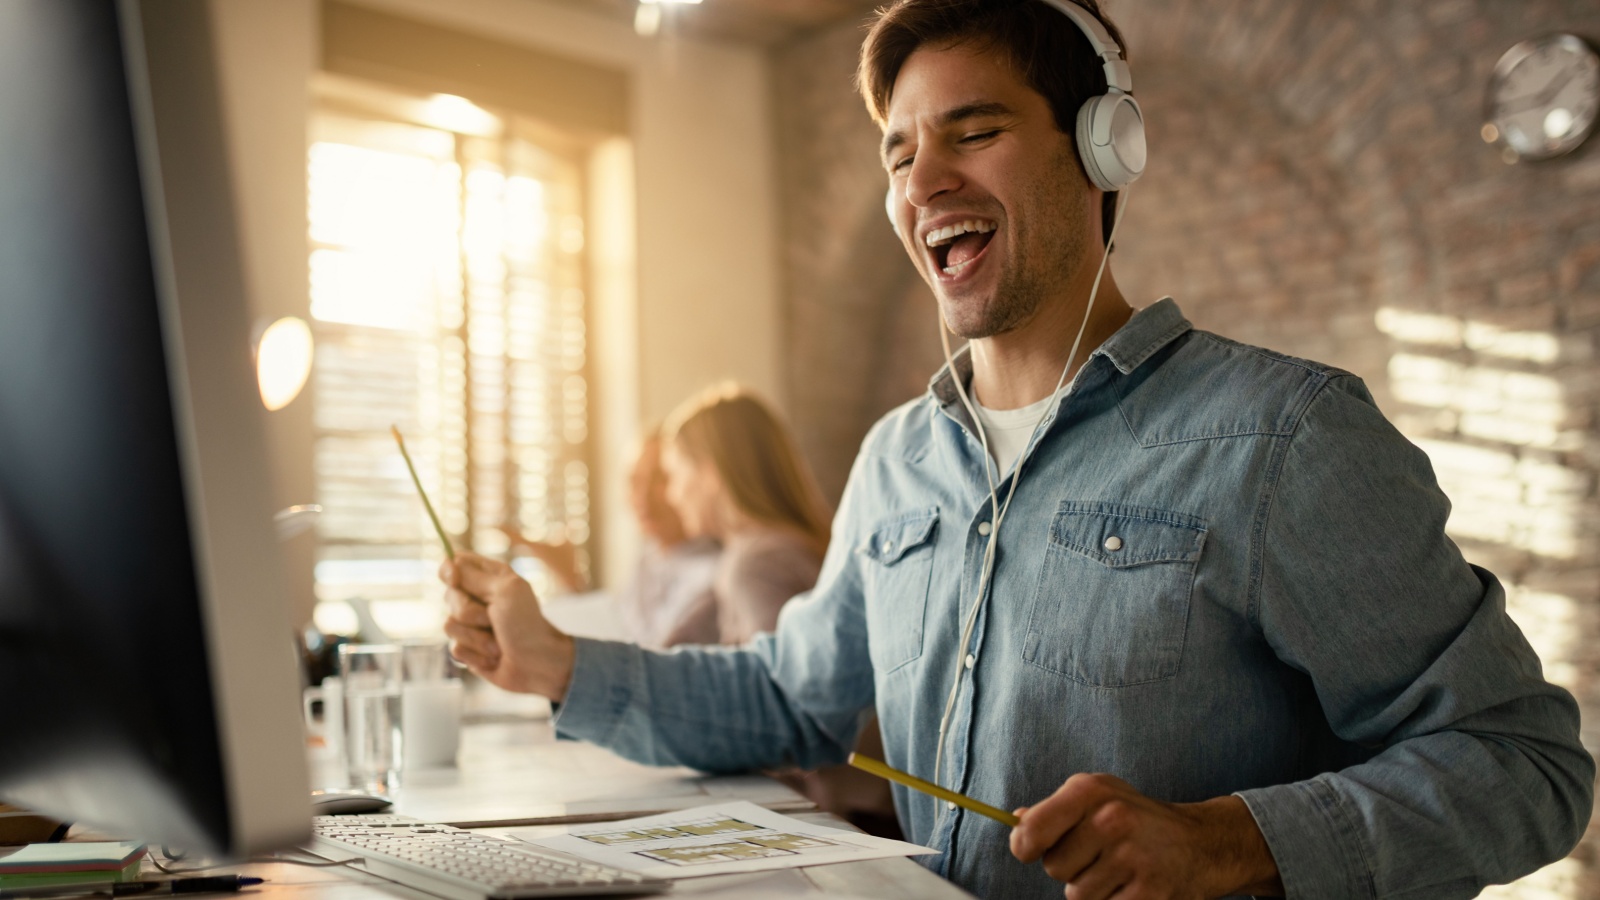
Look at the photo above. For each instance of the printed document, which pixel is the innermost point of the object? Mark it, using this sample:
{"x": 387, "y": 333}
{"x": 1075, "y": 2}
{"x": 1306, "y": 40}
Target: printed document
{"x": 718, "y": 839}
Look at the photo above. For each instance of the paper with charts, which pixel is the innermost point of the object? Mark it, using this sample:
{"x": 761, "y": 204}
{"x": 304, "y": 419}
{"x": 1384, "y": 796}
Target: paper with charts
{"x": 718, "y": 839}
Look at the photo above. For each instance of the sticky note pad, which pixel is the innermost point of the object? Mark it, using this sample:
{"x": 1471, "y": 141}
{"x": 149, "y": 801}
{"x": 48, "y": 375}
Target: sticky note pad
{"x": 90, "y": 856}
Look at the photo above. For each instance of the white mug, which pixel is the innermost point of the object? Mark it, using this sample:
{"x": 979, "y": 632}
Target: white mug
{"x": 431, "y": 717}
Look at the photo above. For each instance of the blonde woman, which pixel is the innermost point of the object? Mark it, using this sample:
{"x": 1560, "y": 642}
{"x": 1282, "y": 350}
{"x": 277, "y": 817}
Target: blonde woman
{"x": 735, "y": 475}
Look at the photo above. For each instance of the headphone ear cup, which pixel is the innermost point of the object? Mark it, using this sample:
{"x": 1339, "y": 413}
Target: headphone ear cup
{"x": 888, "y": 210}
{"x": 1111, "y": 142}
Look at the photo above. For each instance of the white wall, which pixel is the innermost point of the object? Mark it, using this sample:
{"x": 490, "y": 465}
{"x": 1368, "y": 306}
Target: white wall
{"x": 706, "y": 248}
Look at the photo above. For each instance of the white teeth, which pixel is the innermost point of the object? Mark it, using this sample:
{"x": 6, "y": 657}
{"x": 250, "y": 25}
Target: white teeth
{"x": 948, "y": 233}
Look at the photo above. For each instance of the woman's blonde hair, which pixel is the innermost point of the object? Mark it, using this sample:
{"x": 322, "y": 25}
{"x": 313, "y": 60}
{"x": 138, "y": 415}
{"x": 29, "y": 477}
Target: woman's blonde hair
{"x": 754, "y": 454}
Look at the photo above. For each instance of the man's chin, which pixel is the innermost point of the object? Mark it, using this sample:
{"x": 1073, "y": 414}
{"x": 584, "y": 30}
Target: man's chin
{"x": 971, "y": 325}
{"x": 994, "y": 313}
{"x": 960, "y": 317}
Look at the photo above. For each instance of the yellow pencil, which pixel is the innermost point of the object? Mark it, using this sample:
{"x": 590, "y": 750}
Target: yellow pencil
{"x": 449, "y": 551}
{"x": 868, "y": 764}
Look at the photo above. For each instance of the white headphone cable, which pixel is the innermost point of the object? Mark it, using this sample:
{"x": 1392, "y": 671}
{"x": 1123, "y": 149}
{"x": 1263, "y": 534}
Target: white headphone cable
{"x": 987, "y": 569}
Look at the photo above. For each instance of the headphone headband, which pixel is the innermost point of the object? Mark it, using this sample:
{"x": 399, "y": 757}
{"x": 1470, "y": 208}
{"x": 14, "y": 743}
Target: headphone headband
{"x": 1118, "y": 76}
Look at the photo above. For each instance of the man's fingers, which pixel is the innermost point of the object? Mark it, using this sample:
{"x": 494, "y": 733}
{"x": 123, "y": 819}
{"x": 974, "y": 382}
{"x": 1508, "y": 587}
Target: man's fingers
{"x": 1044, "y": 823}
{"x": 1102, "y": 881}
{"x": 478, "y": 664}
{"x": 1043, "y": 826}
{"x": 1072, "y": 855}
{"x": 478, "y": 575}
{"x": 467, "y": 609}
{"x": 474, "y": 576}
{"x": 472, "y": 640}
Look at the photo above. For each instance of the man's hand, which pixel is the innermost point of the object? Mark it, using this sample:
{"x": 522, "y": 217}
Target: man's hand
{"x": 1103, "y": 838}
{"x": 497, "y": 630}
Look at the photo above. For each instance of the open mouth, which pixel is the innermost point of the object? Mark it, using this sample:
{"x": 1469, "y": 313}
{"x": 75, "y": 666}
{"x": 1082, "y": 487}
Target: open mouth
{"x": 955, "y": 246}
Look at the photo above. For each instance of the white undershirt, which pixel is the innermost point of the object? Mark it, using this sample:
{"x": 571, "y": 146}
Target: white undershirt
{"x": 1008, "y": 430}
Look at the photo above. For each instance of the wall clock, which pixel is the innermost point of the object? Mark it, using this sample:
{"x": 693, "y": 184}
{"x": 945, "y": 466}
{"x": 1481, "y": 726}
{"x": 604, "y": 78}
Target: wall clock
{"x": 1543, "y": 98}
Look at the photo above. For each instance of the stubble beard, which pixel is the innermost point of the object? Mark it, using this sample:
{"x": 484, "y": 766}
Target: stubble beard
{"x": 1028, "y": 278}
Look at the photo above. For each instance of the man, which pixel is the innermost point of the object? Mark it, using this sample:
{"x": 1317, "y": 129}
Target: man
{"x": 1227, "y": 647}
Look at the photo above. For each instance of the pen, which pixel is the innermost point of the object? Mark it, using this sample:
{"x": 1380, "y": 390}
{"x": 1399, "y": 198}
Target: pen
{"x": 868, "y": 764}
{"x": 449, "y": 551}
{"x": 211, "y": 884}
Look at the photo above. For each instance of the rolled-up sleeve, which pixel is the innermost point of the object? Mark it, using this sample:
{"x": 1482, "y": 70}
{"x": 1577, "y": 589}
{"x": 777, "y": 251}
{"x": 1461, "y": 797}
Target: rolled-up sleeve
{"x": 1478, "y": 775}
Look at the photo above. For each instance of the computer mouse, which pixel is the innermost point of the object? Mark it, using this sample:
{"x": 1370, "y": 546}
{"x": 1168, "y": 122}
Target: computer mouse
{"x": 347, "y": 803}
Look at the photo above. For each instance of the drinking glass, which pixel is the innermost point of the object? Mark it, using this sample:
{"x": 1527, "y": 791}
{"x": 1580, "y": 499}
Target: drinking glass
{"x": 372, "y": 675}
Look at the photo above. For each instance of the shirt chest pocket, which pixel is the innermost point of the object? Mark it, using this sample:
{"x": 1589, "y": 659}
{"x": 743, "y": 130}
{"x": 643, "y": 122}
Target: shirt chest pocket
{"x": 1112, "y": 605}
{"x": 897, "y": 571}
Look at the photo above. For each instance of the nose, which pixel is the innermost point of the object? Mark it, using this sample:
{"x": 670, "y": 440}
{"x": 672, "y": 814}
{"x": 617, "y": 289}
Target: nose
{"x": 932, "y": 175}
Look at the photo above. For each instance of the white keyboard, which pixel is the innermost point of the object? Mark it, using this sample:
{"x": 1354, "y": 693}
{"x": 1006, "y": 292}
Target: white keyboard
{"x": 459, "y": 864}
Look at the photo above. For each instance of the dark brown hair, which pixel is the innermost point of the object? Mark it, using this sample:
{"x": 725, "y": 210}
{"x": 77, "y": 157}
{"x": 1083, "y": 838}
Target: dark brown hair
{"x": 1047, "y": 49}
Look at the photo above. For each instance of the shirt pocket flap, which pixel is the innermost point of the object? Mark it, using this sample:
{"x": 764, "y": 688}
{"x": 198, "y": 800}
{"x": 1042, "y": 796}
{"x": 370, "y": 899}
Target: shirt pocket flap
{"x": 893, "y": 540}
{"x": 1121, "y": 536}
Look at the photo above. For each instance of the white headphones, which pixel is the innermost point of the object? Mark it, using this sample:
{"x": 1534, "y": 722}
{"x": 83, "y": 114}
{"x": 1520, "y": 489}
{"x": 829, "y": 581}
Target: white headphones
{"x": 1111, "y": 125}
{"x": 1110, "y": 130}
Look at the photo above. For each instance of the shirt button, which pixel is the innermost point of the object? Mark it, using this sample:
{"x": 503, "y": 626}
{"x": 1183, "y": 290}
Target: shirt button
{"x": 1113, "y": 543}
{"x": 950, "y": 805}
{"x": 984, "y": 528}
{"x": 888, "y": 546}
{"x": 971, "y": 660}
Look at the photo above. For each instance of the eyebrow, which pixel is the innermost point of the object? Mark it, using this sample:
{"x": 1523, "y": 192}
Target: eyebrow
{"x": 947, "y": 118}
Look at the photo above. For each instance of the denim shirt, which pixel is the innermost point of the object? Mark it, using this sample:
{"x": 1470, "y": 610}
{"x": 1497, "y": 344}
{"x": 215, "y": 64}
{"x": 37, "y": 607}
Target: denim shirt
{"x": 1223, "y": 572}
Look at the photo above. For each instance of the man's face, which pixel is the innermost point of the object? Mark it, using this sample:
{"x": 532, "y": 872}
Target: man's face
{"x": 987, "y": 193}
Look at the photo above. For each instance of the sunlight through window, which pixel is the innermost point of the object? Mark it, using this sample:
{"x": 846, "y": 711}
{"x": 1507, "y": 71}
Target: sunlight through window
{"x": 447, "y": 301}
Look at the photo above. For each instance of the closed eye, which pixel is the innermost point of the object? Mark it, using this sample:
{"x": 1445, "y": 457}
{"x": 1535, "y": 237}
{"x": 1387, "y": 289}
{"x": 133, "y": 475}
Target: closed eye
{"x": 979, "y": 137}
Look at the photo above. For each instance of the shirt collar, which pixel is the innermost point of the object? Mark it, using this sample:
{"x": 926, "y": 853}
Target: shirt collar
{"x": 1150, "y": 329}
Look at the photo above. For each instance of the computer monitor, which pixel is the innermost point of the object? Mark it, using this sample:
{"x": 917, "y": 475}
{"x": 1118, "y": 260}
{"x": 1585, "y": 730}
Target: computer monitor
{"x": 147, "y": 678}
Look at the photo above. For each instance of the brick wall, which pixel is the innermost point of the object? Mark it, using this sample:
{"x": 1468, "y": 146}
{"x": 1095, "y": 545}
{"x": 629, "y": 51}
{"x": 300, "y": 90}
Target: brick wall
{"x": 1317, "y": 185}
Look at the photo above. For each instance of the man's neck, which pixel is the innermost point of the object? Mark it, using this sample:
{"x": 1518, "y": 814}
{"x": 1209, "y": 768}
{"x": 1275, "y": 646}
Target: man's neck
{"x": 1023, "y": 365}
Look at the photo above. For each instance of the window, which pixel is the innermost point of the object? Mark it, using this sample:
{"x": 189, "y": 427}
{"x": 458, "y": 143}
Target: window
{"x": 447, "y": 298}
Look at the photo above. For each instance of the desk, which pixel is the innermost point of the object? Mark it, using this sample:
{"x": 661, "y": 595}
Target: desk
{"x": 515, "y": 772}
